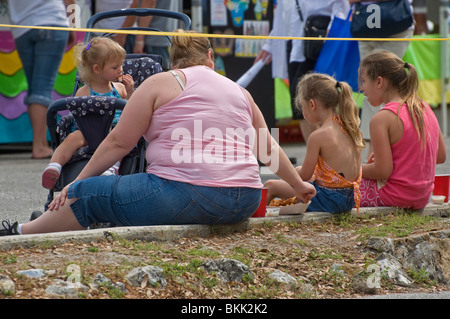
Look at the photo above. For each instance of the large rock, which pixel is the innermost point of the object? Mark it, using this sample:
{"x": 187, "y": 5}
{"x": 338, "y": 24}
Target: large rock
{"x": 148, "y": 275}
{"x": 426, "y": 252}
{"x": 7, "y": 286}
{"x": 228, "y": 269}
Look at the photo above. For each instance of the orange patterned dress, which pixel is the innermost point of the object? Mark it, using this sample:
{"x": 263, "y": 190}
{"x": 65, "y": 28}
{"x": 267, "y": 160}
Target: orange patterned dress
{"x": 326, "y": 176}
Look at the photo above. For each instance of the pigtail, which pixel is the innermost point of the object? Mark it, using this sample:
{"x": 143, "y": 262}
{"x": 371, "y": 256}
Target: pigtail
{"x": 349, "y": 113}
{"x": 415, "y": 105}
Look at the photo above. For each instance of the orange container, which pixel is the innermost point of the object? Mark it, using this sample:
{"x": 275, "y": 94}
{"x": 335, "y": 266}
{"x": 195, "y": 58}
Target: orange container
{"x": 441, "y": 185}
{"x": 261, "y": 211}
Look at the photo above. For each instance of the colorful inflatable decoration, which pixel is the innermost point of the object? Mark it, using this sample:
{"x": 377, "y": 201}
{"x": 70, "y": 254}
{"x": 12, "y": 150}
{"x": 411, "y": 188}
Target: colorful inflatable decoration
{"x": 15, "y": 124}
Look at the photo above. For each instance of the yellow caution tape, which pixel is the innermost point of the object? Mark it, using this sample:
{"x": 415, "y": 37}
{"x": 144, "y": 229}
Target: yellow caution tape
{"x": 206, "y": 35}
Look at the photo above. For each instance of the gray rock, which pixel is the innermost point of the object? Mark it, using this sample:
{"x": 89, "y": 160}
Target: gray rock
{"x": 425, "y": 257}
{"x": 392, "y": 269}
{"x": 7, "y": 286}
{"x": 427, "y": 253}
{"x": 65, "y": 289}
{"x": 33, "y": 273}
{"x": 380, "y": 244}
{"x": 148, "y": 275}
{"x": 282, "y": 277}
{"x": 228, "y": 270}
{"x": 102, "y": 280}
{"x": 361, "y": 285}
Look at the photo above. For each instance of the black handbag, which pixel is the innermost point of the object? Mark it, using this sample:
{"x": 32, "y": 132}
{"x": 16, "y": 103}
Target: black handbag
{"x": 316, "y": 27}
{"x": 393, "y": 17}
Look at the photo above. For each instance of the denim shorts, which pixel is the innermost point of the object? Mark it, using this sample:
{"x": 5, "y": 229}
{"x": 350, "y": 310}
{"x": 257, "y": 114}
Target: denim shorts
{"x": 41, "y": 52}
{"x": 146, "y": 199}
{"x": 332, "y": 200}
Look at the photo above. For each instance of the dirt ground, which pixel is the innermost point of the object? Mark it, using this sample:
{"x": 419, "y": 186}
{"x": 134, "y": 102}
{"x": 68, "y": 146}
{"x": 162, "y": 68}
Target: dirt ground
{"x": 325, "y": 258}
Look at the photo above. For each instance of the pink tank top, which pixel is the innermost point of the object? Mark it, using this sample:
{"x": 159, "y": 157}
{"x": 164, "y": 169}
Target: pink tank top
{"x": 411, "y": 182}
{"x": 205, "y": 135}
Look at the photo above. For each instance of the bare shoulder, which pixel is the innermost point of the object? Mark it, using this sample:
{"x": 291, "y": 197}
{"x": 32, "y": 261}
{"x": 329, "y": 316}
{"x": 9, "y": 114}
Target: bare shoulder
{"x": 83, "y": 91}
{"x": 161, "y": 87}
{"x": 384, "y": 115}
{"x": 318, "y": 138}
{"x": 321, "y": 134}
{"x": 121, "y": 89}
{"x": 385, "y": 119}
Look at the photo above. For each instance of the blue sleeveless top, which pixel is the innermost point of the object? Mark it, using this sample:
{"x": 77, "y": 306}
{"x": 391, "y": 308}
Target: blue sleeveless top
{"x": 112, "y": 93}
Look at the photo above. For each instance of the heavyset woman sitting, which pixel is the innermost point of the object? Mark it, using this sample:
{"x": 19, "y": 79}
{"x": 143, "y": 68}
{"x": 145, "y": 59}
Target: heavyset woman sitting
{"x": 201, "y": 130}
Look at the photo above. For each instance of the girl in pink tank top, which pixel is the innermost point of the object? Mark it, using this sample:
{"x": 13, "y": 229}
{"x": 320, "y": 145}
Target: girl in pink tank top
{"x": 407, "y": 142}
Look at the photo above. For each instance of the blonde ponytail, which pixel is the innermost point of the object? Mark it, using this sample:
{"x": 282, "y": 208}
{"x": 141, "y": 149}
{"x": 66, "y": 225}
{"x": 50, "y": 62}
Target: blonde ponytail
{"x": 335, "y": 95}
{"x": 349, "y": 113}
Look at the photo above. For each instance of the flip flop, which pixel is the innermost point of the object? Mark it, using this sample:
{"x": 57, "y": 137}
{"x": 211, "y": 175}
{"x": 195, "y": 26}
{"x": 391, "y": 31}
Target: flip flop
{"x": 44, "y": 157}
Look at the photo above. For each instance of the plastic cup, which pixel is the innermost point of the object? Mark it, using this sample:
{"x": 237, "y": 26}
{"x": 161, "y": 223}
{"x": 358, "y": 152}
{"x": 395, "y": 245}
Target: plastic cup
{"x": 261, "y": 211}
{"x": 441, "y": 186}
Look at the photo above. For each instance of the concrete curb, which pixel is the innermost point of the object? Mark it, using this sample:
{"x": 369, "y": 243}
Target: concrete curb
{"x": 174, "y": 232}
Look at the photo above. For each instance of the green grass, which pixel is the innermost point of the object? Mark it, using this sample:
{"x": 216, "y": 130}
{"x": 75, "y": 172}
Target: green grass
{"x": 400, "y": 224}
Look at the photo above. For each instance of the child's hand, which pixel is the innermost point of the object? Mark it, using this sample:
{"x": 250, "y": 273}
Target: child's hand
{"x": 305, "y": 192}
{"x": 371, "y": 158}
{"x": 128, "y": 82}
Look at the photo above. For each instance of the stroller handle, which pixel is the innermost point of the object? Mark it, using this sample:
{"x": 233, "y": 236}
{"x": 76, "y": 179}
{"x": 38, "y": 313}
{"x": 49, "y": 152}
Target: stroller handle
{"x": 140, "y": 12}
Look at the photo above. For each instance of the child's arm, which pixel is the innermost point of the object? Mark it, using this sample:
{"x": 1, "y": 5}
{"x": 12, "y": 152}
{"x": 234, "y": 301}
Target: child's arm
{"x": 274, "y": 157}
{"x": 382, "y": 165}
{"x": 442, "y": 152}
{"x": 312, "y": 155}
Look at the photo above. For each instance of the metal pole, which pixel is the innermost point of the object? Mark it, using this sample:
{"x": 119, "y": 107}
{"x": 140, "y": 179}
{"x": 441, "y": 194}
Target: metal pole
{"x": 444, "y": 26}
{"x": 197, "y": 17}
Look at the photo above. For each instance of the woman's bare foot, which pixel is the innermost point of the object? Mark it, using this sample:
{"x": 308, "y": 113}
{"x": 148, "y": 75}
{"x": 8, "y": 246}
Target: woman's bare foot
{"x": 41, "y": 152}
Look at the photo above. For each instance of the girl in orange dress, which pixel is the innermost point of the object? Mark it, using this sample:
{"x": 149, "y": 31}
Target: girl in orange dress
{"x": 333, "y": 155}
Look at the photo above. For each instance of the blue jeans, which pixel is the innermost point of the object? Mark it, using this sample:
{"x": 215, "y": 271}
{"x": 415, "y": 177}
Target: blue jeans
{"x": 146, "y": 199}
{"x": 331, "y": 200}
{"x": 41, "y": 52}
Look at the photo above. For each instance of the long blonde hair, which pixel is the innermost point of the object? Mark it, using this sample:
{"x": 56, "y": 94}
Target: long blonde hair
{"x": 401, "y": 76}
{"x": 335, "y": 95}
{"x": 100, "y": 50}
{"x": 188, "y": 51}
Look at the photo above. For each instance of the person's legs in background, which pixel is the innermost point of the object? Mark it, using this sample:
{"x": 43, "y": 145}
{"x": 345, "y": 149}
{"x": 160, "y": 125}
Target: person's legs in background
{"x": 41, "y": 52}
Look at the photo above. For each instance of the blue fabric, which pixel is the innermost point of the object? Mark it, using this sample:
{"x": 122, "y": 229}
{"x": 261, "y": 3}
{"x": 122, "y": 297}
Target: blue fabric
{"x": 41, "y": 52}
{"x": 331, "y": 200}
{"x": 145, "y": 199}
{"x": 112, "y": 93}
{"x": 340, "y": 58}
